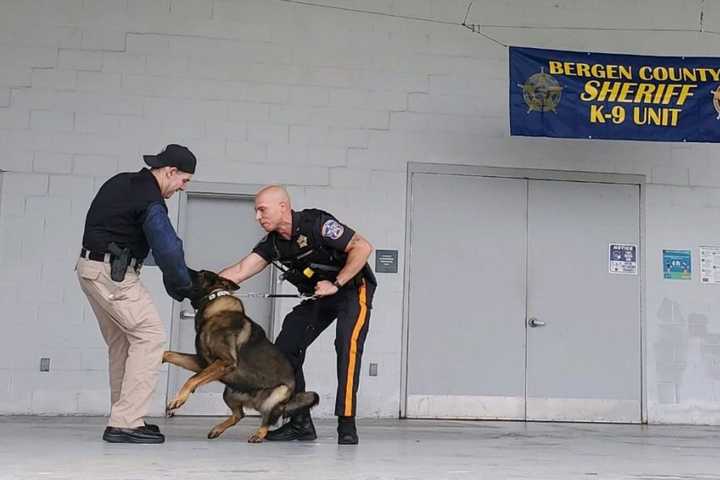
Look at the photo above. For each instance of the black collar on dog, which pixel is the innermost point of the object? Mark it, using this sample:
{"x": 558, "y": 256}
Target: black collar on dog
{"x": 212, "y": 296}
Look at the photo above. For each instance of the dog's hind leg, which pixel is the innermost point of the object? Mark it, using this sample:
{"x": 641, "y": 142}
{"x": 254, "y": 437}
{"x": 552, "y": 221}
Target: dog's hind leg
{"x": 214, "y": 371}
{"x": 234, "y": 401}
{"x": 187, "y": 361}
{"x": 271, "y": 409}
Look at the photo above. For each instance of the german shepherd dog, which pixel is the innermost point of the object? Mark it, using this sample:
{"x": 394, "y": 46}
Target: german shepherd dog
{"x": 233, "y": 349}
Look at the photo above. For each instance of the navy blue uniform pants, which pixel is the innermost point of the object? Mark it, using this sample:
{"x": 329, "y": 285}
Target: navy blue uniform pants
{"x": 351, "y": 307}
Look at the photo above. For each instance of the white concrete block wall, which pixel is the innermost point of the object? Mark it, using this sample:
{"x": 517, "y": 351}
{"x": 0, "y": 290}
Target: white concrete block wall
{"x": 333, "y": 103}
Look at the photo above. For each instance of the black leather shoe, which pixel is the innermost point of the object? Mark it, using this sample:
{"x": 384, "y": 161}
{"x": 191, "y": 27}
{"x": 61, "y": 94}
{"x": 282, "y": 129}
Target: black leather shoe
{"x": 132, "y": 435}
{"x": 300, "y": 427}
{"x": 347, "y": 432}
{"x": 151, "y": 428}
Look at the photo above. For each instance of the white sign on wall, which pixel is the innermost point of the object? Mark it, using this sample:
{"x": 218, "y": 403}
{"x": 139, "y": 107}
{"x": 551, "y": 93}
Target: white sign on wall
{"x": 709, "y": 265}
{"x": 622, "y": 258}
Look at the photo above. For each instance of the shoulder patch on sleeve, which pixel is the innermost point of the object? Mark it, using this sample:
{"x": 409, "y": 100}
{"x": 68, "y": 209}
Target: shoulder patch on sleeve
{"x": 332, "y": 229}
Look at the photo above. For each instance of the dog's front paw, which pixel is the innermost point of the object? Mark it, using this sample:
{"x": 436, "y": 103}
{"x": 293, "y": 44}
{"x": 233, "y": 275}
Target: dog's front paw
{"x": 165, "y": 357}
{"x": 174, "y": 405}
{"x": 259, "y": 436}
{"x": 215, "y": 433}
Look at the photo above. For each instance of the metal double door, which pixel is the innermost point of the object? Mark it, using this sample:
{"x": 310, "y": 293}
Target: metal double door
{"x": 512, "y": 312}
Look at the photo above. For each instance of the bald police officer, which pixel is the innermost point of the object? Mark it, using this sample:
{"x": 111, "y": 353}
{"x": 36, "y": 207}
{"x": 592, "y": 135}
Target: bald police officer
{"x": 324, "y": 258}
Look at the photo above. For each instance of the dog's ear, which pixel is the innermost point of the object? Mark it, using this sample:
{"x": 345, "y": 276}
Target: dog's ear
{"x": 194, "y": 274}
{"x": 206, "y": 279}
{"x": 229, "y": 284}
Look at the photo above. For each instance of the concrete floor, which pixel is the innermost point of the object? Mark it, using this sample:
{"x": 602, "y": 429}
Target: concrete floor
{"x": 70, "y": 448}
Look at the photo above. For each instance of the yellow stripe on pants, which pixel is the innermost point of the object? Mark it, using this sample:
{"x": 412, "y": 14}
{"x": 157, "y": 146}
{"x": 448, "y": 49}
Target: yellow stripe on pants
{"x": 359, "y": 323}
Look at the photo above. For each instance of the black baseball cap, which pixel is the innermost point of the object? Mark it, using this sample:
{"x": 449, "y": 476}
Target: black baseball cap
{"x": 173, "y": 155}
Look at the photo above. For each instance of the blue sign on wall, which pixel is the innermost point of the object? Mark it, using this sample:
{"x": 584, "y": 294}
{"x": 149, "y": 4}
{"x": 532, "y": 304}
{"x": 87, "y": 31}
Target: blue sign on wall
{"x": 624, "y": 97}
{"x": 677, "y": 264}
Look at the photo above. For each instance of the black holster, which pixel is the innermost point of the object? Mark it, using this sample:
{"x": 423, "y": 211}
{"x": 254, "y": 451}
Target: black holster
{"x": 119, "y": 262}
{"x": 304, "y": 286}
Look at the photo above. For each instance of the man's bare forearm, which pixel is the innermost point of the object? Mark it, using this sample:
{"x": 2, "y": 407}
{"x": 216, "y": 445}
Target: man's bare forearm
{"x": 358, "y": 250}
{"x": 245, "y": 268}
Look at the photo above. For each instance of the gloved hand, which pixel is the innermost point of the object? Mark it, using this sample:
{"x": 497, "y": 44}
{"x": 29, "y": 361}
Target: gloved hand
{"x": 195, "y": 293}
{"x": 191, "y": 291}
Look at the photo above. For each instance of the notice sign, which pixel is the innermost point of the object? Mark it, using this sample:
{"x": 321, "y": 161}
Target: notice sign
{"x": 677, "y": 264}
{"x": 623, "y": 258}
{"x": 709, "y": 265}
{"x": 386, "y": 261}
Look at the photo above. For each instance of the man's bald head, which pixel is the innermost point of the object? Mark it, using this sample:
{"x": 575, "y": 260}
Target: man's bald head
{"x": 272, "y": 208}
{"x": 273, "y": 193}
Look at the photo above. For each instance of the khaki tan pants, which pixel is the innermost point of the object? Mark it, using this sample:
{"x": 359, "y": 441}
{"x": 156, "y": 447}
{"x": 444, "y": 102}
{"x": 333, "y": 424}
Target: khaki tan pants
{"x": 135, "y": 337}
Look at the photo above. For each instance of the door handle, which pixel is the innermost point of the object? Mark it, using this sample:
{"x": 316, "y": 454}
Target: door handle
{"x": 534, "y": 323}
{"x": 187, "y": 315}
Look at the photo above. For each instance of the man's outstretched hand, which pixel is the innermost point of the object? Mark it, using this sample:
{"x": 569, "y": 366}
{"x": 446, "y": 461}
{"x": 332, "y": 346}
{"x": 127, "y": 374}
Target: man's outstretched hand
{"x": 324, "y": 289}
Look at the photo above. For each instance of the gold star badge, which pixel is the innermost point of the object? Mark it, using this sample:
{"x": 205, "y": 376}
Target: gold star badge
{"x": 302, "y": 241}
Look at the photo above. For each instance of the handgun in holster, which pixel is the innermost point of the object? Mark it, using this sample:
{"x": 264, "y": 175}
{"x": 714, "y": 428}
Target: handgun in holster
{"x": 301, "y": 282}
{"x": 119, "y": 261}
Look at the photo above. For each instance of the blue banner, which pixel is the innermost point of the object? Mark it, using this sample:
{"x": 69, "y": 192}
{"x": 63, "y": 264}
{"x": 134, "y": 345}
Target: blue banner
{"x": 620, "y": 97}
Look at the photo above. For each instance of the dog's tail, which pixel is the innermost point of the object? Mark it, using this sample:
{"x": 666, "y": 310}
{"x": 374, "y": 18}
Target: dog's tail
{"x": 301, "y": 401}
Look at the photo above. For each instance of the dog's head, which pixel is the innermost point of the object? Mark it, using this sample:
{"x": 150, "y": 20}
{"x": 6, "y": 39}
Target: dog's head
{"x": 206, "y": 282}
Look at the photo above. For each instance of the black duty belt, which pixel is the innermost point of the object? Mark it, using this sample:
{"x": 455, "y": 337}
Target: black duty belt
{"x": 135, "y": 263}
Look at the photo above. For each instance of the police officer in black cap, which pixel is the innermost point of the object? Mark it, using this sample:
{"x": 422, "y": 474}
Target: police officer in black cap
{"x": 325, "y": 259}
{"x": 127, "y": 218}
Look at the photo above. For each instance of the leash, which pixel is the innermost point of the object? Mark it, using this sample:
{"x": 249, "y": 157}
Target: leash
{"x": 273, "y": 295}
{"x": 226, "y": 293}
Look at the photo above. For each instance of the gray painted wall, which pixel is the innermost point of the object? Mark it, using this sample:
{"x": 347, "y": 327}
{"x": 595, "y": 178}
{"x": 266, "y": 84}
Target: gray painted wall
{"x": 333, "y": 103}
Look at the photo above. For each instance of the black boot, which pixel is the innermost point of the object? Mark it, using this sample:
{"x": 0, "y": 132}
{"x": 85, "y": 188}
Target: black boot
{"x": 132, "y": 435}
{"x": 152, "y": 428}
{"x": 300, "y": 427}
{"x": 347, "y": 432}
